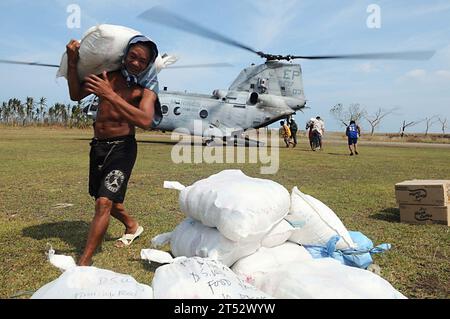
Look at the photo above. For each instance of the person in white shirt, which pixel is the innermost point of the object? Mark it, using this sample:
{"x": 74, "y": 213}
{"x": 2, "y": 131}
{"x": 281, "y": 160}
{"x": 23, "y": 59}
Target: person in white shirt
{"x": 319, "y": 130}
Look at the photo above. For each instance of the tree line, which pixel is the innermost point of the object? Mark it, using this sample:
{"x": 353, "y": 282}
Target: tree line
{"x": 31, "y": 112}
{"x": 357, "y": 113}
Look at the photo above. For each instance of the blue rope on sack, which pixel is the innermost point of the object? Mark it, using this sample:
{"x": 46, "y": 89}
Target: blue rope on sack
{"x": 359, "y": 257}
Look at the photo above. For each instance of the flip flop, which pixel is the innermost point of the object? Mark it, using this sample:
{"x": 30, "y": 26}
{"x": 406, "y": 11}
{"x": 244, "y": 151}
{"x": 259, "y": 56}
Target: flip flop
{"x": 127, "y": 239}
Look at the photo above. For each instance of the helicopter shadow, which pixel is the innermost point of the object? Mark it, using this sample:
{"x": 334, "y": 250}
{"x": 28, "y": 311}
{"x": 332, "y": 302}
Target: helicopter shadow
{"x": 390, "y": 214}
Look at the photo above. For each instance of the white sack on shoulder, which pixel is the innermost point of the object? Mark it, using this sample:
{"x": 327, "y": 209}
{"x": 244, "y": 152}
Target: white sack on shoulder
{"x": 101, "y": 49}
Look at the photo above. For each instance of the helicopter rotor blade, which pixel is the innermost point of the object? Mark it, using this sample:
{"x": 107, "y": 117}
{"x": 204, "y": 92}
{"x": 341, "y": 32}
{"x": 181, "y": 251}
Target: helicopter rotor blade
{"x": 162, "y": 16}
{"x": 29, "y": 63}
{"x": 406, "y": 55}
{"x": 208, "y": 65}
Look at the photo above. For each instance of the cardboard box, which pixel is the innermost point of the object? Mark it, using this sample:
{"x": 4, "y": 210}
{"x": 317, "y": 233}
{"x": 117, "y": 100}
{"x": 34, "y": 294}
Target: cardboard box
{"x": 423, "y": 192}
{"x": 421, "y": 214}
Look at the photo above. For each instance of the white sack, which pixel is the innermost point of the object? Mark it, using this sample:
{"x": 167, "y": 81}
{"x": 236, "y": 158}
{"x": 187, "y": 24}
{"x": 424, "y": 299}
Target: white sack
{"x": 161, "y": 240}
{"x": 62, "y": 262}
{"x": 315, "y": 222}
{"x": 325, "y": 278}
{"x": 239, "y": 206}
{"x": 93, "y": 283}
{"x": 200, "y": 278}
{"x": 266, "y": 260}
{"x": 279, "y": 234}
{"x": 191, "y": 238}
{"x": 159, "y": 256}
{"x": 101, "y": 49}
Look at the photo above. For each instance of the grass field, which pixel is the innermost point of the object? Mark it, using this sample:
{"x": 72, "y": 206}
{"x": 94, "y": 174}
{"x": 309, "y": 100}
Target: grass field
{"x": 41, "y": 168}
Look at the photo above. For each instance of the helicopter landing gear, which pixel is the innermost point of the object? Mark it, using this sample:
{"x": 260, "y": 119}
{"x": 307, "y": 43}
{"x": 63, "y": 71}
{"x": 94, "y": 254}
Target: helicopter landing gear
{"x": 210, "y": 141}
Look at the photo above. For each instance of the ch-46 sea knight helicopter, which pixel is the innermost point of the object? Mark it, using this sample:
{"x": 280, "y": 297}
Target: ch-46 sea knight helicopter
{"x": 260, "y": 95}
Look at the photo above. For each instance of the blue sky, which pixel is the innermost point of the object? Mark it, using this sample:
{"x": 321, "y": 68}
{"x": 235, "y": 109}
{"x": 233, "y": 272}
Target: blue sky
{"x": 37, "y": 31}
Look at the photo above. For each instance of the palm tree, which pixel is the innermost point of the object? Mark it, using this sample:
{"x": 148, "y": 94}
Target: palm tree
{"x": 29, "y": 106}
{"x": 5, "y": 113}
{"x": 42, "y": 105}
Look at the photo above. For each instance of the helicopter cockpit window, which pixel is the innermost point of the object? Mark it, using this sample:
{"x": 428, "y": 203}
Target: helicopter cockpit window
{"x": 177, "y": 111}
{"x": 203, "y": 114}
{"x": 164, "y": 109}
{"x": 262, "y": 85}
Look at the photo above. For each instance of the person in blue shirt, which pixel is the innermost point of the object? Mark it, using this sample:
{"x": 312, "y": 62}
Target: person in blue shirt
{"x": 353, "y": 132}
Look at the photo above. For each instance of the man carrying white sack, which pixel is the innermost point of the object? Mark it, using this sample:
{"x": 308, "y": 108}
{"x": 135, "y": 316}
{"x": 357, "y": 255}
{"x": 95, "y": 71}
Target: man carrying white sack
{"x": 127, "y": 98}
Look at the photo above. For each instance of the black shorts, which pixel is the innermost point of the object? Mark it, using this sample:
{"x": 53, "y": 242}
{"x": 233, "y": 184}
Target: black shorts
{"x": 110, "y": 164}
{"x": 352, "y": 140}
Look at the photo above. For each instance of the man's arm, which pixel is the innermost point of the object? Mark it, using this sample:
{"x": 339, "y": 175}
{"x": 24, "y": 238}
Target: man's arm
{"x": 77, "y": 90}
{"x": 141, "y": 116}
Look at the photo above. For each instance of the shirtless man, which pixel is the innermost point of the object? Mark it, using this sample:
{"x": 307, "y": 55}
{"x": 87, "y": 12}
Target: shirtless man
{"x": 122, "y": 106}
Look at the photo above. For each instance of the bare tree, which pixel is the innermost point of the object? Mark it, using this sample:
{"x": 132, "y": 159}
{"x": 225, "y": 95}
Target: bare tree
{"x": 407, "y": 124}
{"x": 344, "y": 115}
{"x": 444, "y": 125}
{"x": 429, "y": 121}
{"x": 375, "y": 119}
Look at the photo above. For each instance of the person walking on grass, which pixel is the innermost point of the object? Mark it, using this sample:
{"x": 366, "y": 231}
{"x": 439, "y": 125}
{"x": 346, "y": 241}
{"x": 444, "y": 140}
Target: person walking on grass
{"x": 294, "y": 128}
{"x": 309, "y": 128}
{"x": 353, "y": 132}
{"x": 285, "y": 133}
{"x": 127, "y": 98}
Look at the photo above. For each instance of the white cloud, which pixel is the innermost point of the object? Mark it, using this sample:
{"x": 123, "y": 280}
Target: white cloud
{"x": 271, "y": 19}
{"x": 443, "y": 73}
{"x": 340, "y": 19}
{"x": 367, "y": 67}
{"x": 427, "y": 76}
{"x": 428, "y": 9}
{"x": 416, "y": 73}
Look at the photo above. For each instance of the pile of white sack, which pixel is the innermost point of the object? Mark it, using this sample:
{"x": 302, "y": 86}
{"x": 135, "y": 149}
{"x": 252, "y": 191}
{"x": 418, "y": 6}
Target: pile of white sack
{"x": 257, "y": 228}
{"x": 242, "y": 238}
